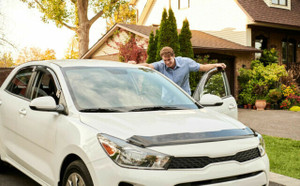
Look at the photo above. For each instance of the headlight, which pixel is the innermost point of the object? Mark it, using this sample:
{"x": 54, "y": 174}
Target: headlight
{"x": 131, "y": 156}
{"x": 261, "y": 145}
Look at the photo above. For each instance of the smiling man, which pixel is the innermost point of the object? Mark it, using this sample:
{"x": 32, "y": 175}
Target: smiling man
{"x": 178, "y": 68}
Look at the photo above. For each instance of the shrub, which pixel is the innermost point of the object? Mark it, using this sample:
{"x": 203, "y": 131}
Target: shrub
{"x": 196, "y": 76}
{"x": 274, "y": 95}
{"x": 295, "y": 108}
{"x": 269, "y": 56}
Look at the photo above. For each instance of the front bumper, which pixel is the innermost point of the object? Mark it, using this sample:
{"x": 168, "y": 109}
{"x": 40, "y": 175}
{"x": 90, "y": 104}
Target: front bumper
{"x": 106, "y": 172}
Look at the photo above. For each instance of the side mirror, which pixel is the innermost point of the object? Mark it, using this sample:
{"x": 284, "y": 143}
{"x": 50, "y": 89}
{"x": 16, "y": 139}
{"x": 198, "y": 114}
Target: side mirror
{"x": 211, "y": 100}
{"x": 46, "y": 103}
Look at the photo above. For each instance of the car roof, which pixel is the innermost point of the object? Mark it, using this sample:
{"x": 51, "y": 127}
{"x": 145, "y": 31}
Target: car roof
{"x": 84, "y": 62}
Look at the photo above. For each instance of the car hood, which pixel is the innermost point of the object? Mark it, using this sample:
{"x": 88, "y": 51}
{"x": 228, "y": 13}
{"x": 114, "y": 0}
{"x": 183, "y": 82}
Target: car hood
{"x": 154, "y": 123}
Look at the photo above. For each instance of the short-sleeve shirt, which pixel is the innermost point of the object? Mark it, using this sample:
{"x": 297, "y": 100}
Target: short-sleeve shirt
{"x": 181, "y": 72}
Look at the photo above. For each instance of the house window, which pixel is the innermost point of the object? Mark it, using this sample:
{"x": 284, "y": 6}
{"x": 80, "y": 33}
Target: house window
{"x": 279, "y": 2}
{"x": 261, "y": 44}
{"x": 183, "y": 4}
{"x": 288, "y": 51}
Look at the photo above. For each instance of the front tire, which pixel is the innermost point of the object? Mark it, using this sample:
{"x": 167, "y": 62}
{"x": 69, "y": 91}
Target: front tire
{"x": 77, "y": 174}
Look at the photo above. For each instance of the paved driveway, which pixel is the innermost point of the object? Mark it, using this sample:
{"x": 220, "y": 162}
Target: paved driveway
{"x": 13, "y": 177}
{"x": 279, "y": 123}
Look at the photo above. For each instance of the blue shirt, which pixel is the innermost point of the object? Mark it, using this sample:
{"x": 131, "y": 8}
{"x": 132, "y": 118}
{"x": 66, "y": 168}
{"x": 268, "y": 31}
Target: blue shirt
{"x": 181, "y": 72}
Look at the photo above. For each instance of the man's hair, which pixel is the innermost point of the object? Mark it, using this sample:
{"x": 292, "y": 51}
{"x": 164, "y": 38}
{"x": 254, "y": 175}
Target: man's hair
{"x": 166, "y": 51}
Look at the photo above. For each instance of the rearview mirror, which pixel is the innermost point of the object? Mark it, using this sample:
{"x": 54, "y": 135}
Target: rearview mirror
{"x": 211, "y": 100}
{"x": 46, "y": 103}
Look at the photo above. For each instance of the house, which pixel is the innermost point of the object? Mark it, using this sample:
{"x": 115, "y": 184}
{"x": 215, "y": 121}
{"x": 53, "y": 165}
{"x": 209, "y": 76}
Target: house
{"x": 257, "y": 23}
{"x": 231, "y": 31}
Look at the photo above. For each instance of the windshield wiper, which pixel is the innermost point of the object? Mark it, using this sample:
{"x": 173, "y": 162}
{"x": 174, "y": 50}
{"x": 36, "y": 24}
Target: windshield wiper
{"x": 99, "y": 110}
{"x": 156, "y": 108}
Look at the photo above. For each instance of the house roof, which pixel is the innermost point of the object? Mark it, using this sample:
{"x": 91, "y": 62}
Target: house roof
{"x": 259, "y": 11}
{"x": 199, "y": 39}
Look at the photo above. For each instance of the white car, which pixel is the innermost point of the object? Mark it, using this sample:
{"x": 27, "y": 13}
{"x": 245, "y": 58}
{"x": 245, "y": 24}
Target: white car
{"x": 91, "y": 122}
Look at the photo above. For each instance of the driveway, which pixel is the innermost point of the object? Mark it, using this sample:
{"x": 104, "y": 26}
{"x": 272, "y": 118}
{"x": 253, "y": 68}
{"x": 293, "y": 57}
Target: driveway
{"x": 279, "y": 123}
{"x": 13, "y": 177}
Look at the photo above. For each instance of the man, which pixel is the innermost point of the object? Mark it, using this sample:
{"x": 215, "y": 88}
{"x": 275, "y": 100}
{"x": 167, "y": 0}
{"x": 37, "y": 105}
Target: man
{"x": 178, "y": 68}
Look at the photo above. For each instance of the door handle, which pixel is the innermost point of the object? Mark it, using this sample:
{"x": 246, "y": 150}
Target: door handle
{"x": 22, "y": 111}
{"x": 231, "y": 106}
{"x": 0, "y": 102}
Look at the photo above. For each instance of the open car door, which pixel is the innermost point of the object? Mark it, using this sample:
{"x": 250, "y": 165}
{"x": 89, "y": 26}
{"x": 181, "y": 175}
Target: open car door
{"x": 213, "y": 92}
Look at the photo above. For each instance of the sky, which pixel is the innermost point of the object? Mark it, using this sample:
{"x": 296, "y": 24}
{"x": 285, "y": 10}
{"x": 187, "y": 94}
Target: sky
{"x": 24, "y": 28}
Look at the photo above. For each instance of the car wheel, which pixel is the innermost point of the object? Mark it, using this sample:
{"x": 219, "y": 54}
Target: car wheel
{"x": 77, "y": 174}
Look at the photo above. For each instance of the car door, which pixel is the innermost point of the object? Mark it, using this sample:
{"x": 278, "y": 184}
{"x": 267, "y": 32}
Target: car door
{"x": 213, "y": 92}
{"x": 38, "y": 128}
{"x": 11, "y": 97}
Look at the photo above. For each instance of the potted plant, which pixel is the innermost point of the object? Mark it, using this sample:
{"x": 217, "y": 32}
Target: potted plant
{"x": 260, "y": 91}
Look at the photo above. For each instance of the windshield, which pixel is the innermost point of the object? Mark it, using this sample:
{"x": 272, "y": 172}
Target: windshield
{"x": 112, "y": 89}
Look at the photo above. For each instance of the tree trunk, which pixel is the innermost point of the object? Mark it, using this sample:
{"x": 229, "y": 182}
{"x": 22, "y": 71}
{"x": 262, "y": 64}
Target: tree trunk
{"x": 84, "y": 27}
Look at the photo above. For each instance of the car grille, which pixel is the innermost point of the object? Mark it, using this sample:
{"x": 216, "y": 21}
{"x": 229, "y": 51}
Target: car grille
{"x": 200, "y": 162}
{"x": 222, "y": 180}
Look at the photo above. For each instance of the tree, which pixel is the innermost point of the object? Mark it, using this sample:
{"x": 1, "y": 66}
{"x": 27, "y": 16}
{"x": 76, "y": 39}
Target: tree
{"x": 162, "y": 34}
{"x": 6, "y": 60}
{"x": 32, "y": 54}
{"x": 172, "y": 25}
{"x": 168, "y": 35}
{"x": 124, "y": 14}
{"x": 132, "y": 51}
{"x": 3, "y": 40}
{"x": 72, "y": 51}
{"x": 152, "y": 48}
{"x": 185, "y": 36}
{"x": 73, "y": 14}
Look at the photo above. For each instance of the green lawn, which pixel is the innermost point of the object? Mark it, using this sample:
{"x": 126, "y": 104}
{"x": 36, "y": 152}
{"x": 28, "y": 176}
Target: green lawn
{"x": 284, "y": 155}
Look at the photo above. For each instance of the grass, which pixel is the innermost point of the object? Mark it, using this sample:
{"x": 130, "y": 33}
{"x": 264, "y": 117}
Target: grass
{"x": 284, "y": 155}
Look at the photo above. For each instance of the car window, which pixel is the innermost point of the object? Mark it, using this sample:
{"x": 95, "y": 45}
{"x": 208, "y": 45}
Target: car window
{"x": 19, "y": 83}
{"x": 44, "y": 85}
{"x": 215, "y": 85}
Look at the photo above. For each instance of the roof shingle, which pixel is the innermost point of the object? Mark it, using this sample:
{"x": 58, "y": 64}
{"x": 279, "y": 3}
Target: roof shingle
{"x": 199, "y": 39}
{"x": 259, "y": 11}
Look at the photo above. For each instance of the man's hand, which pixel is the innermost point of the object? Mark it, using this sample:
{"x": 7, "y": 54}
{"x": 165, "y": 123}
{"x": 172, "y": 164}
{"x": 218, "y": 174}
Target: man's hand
{"x": 207, "y": 67}
{"x": 222, "y": 65}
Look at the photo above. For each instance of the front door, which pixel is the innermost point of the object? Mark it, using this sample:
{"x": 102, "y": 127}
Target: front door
{"x": 213, "y": 92}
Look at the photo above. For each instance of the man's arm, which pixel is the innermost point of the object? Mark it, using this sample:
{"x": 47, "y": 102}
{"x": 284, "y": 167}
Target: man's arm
{"x": 208, "y": 67}
{"x": 141, "y": 64}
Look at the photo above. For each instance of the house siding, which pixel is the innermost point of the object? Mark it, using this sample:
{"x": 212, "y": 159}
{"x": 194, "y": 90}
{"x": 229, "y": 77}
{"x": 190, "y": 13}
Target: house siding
{"x": 223, "y": 19}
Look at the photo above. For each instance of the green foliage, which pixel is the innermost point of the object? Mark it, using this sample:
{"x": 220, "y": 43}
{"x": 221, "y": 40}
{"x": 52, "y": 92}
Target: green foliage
{"x": 269, "y": 56}
{"x": 195, "y": 77}
{"x": 284, "y": 156}
{"x": 215, "y": 86}
{"x": 185, "y": 40}
{"x": 152, "y": 47}
{"x": 172, "y": 25}
{"x": 162, "y": 36}
{"x": 73, "y": 14}
{"x": 168, "y": 35}
{"x": 125, "y": 14}
{"x": 274, "y": 96}
{"x": 258, "y": 80}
